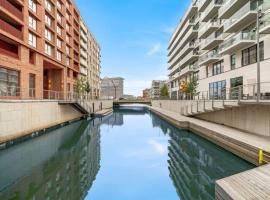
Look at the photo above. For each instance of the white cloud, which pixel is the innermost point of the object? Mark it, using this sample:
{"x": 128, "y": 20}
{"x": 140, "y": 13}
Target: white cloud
{"x": 158, "y": 147}
{"x": 155, "y": 49}
{"x": 168, "y": 30}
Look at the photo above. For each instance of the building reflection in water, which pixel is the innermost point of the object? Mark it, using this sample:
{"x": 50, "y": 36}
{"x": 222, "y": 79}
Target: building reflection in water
{"x": 195, "y": 164}
{"x": 60, "y": 165}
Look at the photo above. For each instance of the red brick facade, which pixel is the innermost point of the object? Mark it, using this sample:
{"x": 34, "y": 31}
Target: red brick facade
{"x": 21, "y": 21}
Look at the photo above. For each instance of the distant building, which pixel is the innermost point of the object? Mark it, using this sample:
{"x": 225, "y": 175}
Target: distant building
{"x": 155, "y": 89}
{"x": 112, "y": 87}
{"x": 128, "y": 96}
{"x": 147, "y": 93}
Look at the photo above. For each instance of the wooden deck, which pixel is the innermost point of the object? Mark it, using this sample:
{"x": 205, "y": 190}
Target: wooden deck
{"x": 250, "y": 185}
{"x": 243, "y": 144}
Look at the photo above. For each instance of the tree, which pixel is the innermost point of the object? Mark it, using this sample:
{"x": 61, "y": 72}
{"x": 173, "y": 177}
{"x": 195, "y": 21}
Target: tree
{"x": 164, "y": 91}
{"x": 87, "y": 87}
{"x": 80, "y": 86}
{"x": 189, "y": 88}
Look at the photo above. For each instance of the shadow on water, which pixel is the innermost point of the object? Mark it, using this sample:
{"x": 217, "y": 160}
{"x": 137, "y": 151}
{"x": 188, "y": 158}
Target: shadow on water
{"x": 64, "y": 164}
{"x": 59, "y": 165}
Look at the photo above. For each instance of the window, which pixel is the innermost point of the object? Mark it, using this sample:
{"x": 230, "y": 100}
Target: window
{"x": 59, "y": 56}
{"x": 59, "y": 30}
{"x": 59, "y": 43}
{"x": 32, "y": 85}
{"x": 32, "y": 23}
{"x": 217, "y": 90}
{"x": 58, "y": 4}
{"x": 48, "y": 35}
{"x": 32, "y": 5}
{"x": 9, "y": 82}
{"x": 67, "y": 27}
{"x": 32, "y": 40}
{"x": 233, "y": 61}
{"x": 67, "y": 50}
{"x": 67, "y": 39}
{"x": 48, "y": 49}
{"x": 67, "y": 16}
{"x": 58, "y": 17}
{"x": 249, "y": 55}
{"x": 48, "y": 5}
{"x": 48, "y": 20}
{"x": 67, "y": 61}
{"x": 218, "y": 68}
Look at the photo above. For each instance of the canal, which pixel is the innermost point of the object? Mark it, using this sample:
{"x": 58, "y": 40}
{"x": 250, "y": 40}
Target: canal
{"x": 130, "y": 155}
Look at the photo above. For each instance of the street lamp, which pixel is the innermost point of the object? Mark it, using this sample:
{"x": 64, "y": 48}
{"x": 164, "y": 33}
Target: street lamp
{"x": 114, "y": 88}
{"x": 259, "y": 17}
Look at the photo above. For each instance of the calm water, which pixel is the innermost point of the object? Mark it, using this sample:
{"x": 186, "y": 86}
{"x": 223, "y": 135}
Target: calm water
{"x": 130, "y": 155}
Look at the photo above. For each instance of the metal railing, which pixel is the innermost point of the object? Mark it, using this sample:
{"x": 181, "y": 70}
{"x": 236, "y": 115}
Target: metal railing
{"x": 240, "y": 93}
{"x": 18, "y": 93}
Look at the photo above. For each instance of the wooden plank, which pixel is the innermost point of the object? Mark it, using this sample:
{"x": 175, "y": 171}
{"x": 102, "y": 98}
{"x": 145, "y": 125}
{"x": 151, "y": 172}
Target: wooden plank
{"x": 250, "y": 185}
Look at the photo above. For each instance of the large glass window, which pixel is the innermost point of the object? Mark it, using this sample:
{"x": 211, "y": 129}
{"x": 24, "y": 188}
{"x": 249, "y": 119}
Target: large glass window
{"x": 217, "y": 90}
{"x": 218, "y": 68}
{"x": 249, "y": 55}
{"x": 9, "y": 82}
{"x": 48, "y": 49}
{"x": 32, "y": 5}
{"x": 32, "y": 23}
{"x": 233, "y": 61}
{"x": 32, "y": 40}
{"x": 32, "y": 85}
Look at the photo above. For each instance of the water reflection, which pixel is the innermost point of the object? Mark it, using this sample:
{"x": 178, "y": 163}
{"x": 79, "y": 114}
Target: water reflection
{"x": 143, "y": 157}
{"x": 195, "y": 164}
{"x": 59, "y": 165}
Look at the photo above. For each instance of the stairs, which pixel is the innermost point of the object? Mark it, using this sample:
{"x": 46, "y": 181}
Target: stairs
{"x": 196, "y": 107}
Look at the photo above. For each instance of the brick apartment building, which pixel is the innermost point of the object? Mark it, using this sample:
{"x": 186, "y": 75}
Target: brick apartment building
{"x": 39, "y": 47}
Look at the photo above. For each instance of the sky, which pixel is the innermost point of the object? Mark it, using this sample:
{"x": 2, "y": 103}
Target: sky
{"x": 134, "y": 36}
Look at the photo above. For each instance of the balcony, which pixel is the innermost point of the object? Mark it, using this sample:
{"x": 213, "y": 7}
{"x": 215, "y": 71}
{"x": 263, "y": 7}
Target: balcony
{"x": 246, "y": 15}
{"x": 210, "y": 57}
{"x": 209, "y": 28}
{"x": 191, "y": 57}
{"x": 202, "y": 4}
{"x": 212, "y": 41}
{"x": 237, "y": 42}
{"x": 229, "y": 8}
{"x": 211, "y": 10}
{"x": 11, "y": 9}
{"x": 265, "y": 25}
{"x": 188, "y": 69}
{"x": 4, "y": 26}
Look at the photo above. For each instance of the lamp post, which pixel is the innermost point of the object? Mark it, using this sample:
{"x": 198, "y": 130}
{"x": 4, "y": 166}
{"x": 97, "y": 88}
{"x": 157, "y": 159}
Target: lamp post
{"x": 259, "y": 16}
{"x": 114, "y": 88}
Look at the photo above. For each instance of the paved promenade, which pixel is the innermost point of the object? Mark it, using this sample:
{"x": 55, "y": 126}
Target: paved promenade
{"x": 243, "y": 144}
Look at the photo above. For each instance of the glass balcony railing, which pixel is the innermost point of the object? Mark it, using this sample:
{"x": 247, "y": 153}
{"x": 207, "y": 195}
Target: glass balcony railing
{"x": 265, "y": 22}
{"x": 212, "y": 38}
{"x": 214, "y": 54}
{"x": 249, "y": 7}
{"x": 226, "y": 5}
{"x": 210, "y": 7}
{"x": 236, "y": 39}
{"x": 208, "y": 25}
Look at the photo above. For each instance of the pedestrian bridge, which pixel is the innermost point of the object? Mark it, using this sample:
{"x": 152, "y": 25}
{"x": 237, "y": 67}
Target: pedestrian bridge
{"x": 135, "y": 101}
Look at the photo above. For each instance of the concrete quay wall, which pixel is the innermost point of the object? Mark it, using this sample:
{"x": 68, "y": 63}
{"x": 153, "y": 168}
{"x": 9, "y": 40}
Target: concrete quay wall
{"x": 254, "y": 119}
{"x": 21, "y": 118}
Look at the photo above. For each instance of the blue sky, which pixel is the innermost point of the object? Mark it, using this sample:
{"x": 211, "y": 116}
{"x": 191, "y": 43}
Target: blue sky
{"x": 134, "y": 36}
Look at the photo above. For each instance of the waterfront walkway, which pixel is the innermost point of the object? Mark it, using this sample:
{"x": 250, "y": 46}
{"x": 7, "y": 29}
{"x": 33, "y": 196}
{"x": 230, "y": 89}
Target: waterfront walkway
{"x": 249, "y": 185}
{"x": 243, "y": 144}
